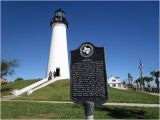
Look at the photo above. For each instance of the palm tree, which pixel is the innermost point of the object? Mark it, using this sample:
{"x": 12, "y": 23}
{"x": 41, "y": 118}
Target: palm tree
{"x": 8, "y": 67}
{"x": 130, "y": 79}
{"x": 156, "y": 75}
{"x": 148, "y": 80}
{"x": 137, "y": 82}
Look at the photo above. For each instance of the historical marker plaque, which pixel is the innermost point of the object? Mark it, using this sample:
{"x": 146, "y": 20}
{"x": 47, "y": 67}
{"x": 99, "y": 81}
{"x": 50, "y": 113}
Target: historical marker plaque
{"x": 88, "y": 74}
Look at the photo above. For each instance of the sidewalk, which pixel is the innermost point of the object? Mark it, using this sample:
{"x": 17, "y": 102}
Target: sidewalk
{"x": 153, "y": 93}
{"x": 133, "y": 104}
{"x": 9, "y": 97}
{"x": 105, "y": 104}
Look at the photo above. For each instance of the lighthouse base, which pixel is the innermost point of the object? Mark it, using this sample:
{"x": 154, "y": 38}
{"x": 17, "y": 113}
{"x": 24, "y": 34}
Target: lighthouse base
{"x": 57, "y": 73}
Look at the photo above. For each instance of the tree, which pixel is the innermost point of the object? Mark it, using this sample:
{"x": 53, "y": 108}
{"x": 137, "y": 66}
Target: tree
{"x": 18, "y": 79}
{"x": 137, "y": 82}
{"x": 148, "y": 80}
{"x": 130, "y": 79}
{"x": 124, "y": 83}
{"x": 156, "y": 75}
{"x": 8, "y": 67}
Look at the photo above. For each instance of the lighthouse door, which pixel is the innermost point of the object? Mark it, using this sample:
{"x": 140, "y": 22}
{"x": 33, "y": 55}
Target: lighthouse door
{"x": 57, "y": 72}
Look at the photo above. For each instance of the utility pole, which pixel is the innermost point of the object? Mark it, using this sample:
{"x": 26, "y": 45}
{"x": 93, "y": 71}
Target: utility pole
{"x": 141, "y": 77}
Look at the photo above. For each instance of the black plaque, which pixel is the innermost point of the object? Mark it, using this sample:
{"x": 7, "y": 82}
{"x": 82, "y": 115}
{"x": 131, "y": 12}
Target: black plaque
{"x": 88, "y": 74}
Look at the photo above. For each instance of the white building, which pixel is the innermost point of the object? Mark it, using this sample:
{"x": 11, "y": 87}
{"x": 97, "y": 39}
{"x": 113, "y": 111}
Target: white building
{"x": 115, "y": 82}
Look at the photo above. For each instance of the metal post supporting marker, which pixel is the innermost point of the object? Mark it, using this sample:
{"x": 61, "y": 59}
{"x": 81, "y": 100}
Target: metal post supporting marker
{"x": 89, "y": 110}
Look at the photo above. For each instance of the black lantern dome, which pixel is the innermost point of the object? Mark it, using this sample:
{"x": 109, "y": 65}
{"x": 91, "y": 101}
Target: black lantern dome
{"x": 59, "y": 17}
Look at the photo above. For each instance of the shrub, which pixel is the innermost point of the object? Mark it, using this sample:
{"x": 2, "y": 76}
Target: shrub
{"x": 18, "y": 79}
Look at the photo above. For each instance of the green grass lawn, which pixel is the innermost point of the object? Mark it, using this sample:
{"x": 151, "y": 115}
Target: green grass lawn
{"x": 28, "y": 110}
{"x": 60, "y": 91}
{"x": 9, "y": 87}
{"x": 130, "y": 96}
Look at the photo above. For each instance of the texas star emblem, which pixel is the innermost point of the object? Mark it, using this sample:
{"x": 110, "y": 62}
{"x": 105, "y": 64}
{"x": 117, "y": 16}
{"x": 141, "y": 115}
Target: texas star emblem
{"x": 86, "y": 50}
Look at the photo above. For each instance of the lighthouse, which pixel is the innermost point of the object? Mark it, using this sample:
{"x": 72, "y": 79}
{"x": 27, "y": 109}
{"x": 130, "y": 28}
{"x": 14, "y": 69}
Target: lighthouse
{"x": 58, "y": 56}
{"x": 58, "y": 67}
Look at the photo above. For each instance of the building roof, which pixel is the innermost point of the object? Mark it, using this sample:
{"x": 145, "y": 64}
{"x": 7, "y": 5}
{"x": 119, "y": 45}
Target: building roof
{"x": 2, "y": 80}
{"x": 114, "y": 80}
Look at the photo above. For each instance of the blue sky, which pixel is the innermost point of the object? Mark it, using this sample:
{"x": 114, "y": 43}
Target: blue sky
{"x": 128, "y": 31}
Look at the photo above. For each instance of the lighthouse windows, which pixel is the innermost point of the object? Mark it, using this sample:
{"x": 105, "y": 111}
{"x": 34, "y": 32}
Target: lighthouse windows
{"x": 57, "y": 19}
{"x": 60, "y": 13}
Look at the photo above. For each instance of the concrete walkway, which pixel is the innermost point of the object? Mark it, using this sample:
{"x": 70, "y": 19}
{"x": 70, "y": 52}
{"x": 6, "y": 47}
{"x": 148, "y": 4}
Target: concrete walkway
{"x": 105, "y": 104}
{"x": 9, "y": 97}
{"x": 153, "y": 93}
{"x": 133, "y": 104}
{"x": 12, "y": 97}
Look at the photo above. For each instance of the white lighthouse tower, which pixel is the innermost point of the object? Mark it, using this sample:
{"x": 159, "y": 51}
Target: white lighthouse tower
{"x": 58, "y": 56}
{"x": 58, "y": 67}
